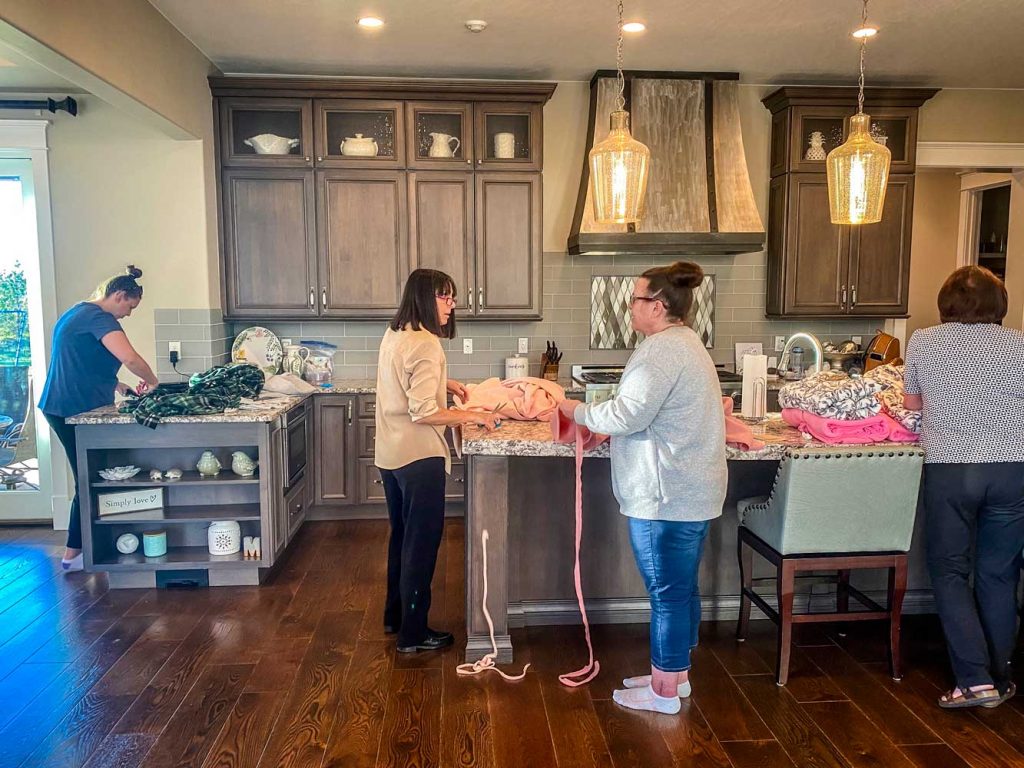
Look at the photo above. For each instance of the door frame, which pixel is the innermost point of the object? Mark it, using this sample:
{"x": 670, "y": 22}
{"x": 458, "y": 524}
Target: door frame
{"x": 25, "y": 141}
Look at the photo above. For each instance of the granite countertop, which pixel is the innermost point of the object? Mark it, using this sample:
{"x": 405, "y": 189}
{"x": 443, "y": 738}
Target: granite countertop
{"x": 260, "y": 411}
{"x": 369, "y": 387}
{"x": 533, "y": 438}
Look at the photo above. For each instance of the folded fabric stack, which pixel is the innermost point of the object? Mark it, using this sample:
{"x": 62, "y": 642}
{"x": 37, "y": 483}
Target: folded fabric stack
{"x": 523, "y": 399}
{"x": 838, "y": 410}
{"x": 212, "y": 391}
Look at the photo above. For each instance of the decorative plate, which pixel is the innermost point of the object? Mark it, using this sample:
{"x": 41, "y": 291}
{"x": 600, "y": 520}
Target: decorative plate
{"x": 260, "y": 347}
{"x": 120, "y": 473}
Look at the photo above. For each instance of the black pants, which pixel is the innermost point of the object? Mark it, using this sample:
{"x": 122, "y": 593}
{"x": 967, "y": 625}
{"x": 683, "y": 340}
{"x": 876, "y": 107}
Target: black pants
{"x": 415, "y": 496}
{"x": 66, "y": 434}
{"x": 983, "y": 503}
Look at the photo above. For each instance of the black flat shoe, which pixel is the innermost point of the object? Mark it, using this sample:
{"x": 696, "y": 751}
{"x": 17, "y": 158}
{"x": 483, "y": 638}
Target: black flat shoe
{"x": 434, "y": 641}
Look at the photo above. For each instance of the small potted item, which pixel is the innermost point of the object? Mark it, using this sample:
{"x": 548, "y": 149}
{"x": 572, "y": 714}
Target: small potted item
{"x": 154, "y": 543}
{"x": 208, "y": 464}
{"x": 224, "y": 537}
{"x": 242, "y": 465}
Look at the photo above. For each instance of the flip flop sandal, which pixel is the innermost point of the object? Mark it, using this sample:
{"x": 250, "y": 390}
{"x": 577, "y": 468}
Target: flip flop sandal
{"x": 969, "y": 698}
{"x": 1008, "y": 694}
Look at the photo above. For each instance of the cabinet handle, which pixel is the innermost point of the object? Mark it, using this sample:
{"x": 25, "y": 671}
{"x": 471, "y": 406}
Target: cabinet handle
{"x": 308, "y": 159}
{"x": 460, "y": 479}
{"x": 323, "y": 298}
{"x": 854, "y": 295}
{"x": 348, "y": 411}
{"x": 371, "y": 406}
{"x": 480, "y": 299}
{"x": 298, "y": 508}
{"x": 319, "y": 159}
{"x": 378, "y": 481}
{"x": 844, "y": 296}
{"x": 470, "y": 299}
{"x": 312, "y": 299}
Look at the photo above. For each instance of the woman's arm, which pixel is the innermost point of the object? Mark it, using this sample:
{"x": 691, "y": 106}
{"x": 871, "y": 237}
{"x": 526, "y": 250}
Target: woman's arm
{"x": 444, "y": 417}
{"x": 119, "y": 346}
{"x": 913, "y": 402}
{"x": 633, "y": 408}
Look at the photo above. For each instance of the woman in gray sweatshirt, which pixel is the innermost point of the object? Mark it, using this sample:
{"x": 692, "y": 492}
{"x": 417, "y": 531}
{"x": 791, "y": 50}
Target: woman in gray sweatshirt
{"x": 669, "y": 473}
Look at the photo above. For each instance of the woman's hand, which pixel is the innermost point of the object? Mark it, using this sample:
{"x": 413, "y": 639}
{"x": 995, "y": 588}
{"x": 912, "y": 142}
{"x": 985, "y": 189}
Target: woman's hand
{"x": 488, "y": 421}
{"x": 124, "y": 390}
{"x": 568, "y": 407}
{"x": 457, "y": 389}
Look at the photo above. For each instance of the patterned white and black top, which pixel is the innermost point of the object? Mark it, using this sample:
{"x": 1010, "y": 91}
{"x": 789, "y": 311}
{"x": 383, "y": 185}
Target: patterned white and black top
{"x": 971, "y": 379}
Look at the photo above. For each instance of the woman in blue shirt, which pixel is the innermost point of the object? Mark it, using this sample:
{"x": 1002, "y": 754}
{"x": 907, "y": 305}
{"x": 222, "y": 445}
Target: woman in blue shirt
{"x": 89, "y": 348}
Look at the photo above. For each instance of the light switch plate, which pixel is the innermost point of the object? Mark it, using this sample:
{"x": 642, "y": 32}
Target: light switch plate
{"x": 858, "y": 340}
{"x": 467, "y": 346}
{"x": 174, "y": 346}
{"x": 746, "y": 348}
{"x": 524, "y": 345}
{"x": 780, "y": 343}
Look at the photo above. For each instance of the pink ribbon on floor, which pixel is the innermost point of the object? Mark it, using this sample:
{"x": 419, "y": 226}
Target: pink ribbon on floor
{"x": 487, "y": 662}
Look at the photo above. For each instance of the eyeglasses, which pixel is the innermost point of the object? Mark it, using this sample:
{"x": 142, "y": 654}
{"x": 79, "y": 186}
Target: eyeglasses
{"x": 634, "y": 299}
{"x": 449, "y": 300}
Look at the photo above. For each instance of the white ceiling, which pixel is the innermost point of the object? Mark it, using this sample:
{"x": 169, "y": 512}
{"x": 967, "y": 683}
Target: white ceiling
{"x": 949, "y": 43}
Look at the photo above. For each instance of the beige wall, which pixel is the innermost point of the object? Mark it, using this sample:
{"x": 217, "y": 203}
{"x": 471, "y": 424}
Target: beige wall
{"x": 973, "y": 115}
{"x": 933, "y": 254}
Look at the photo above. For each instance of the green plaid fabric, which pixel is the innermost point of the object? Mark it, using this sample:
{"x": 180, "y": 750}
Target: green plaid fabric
{"x": 212, "y": 391}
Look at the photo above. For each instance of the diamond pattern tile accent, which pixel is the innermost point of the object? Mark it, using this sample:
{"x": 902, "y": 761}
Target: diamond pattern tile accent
{"x": 609, "y": 312}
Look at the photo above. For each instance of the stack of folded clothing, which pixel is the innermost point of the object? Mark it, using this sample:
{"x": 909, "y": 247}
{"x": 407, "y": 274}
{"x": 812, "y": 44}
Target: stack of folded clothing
{"x": 839, "y": 410}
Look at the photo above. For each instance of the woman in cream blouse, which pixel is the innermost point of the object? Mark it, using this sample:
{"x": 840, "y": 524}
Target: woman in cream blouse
{"x": 412, "y": 453}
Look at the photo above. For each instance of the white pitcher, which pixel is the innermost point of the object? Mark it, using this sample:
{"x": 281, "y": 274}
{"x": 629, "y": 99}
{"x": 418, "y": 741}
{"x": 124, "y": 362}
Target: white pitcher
{"x": 505, "y": 145}
{"x": 442, "y": 145}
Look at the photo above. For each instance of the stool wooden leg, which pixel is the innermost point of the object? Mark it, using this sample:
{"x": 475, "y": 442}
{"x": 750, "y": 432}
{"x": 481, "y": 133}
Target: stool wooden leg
{"x": 784, "y": 590}
{"x": 897, "y": 589}
{"x": 843, "y": 598}
{"x": 746, "y": 558}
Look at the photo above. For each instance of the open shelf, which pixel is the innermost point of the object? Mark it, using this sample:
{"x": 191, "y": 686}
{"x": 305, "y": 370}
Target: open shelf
{"x": 206, "y": 513}
{"x": 190, "y": 477}
{"x": 176, "y": 558}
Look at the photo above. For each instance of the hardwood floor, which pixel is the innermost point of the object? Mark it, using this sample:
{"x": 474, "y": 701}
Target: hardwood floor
{"x": 299, "y": 673}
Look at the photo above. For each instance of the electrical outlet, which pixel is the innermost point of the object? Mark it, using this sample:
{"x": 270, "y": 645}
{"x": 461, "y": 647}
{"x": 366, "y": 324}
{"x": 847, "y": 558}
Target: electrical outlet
{"x": 467, "y": 346}
{"x": 858, "y": 340}
{"x": 524, "y": 345}
{"x": 780, "y": 343}
{"x": 286, "y": 342}
{"x": 174, "y": 351}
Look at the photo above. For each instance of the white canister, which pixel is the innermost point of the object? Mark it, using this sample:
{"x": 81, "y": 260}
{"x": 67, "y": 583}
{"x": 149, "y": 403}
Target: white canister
{"x": 505, "y": 146}
{"x": 224, "y": 537}
{"x": 516, "y": 367}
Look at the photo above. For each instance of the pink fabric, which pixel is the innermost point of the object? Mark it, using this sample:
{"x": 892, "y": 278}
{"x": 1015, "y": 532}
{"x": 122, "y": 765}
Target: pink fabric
{"x": 565, "y": 430}
{"x": 738, "y": 434}
{"x": 525, "y": 399}
{"x": 876, "y": 429}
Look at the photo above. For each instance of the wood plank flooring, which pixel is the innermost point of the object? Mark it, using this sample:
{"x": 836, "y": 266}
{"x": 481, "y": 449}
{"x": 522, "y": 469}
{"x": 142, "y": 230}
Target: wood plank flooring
{"x": 298, "y": 672}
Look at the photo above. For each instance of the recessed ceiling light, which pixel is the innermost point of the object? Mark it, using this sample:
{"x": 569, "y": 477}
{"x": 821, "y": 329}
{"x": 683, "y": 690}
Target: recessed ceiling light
{"x": 865, "y": 32}
{"x": 476, "y": 25}
{"x": 371, "y": 22}
{"x": 634, "y": 26}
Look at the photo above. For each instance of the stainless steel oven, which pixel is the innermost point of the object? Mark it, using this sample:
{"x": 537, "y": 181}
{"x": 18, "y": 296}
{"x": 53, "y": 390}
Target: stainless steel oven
{"x": 295, "y": 437}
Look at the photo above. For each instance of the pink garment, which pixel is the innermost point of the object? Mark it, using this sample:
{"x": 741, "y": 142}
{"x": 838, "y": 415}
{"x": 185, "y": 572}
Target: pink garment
{"x": 525, "y": 399}
{"x": 565, "y": 430}
{"x": 875, "y": 429}
{"x": 738, "y": 434}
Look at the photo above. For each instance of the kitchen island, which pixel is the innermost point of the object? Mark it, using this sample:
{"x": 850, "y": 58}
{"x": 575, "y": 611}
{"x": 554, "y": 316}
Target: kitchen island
{"x": 520, "y": 488}
{"x": 269, "y": 504}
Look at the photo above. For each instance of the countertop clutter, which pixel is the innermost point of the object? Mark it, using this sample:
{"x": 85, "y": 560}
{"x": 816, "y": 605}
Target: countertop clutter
{"x": 264, "y": 410}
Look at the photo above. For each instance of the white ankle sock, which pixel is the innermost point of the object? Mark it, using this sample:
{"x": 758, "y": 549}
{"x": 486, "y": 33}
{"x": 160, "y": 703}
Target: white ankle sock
{"x": 642, "y": 680}
{"x": 77, "y": 563}
{"x": 647, "y": 699}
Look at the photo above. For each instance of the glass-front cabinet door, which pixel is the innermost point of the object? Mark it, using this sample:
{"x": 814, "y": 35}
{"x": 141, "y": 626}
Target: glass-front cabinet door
{"x": 508, "y": 137}
{"x": 358, "y": 133}
{"x": 440, "y": 134}
{"x": 896, "y": 128}
{"x": 817, "y": 131}
{"x": 266, "y": 132}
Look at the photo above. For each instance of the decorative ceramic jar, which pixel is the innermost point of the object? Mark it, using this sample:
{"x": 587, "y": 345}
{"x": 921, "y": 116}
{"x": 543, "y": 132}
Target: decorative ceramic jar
{"x": 442, "y": 145}
{"x": 359, "y": 146}
{"x": 224, "y": 537}
{"x": 270, "y": 144}
{"x": 242, "y": 465}
{"x": 505, "y": 145}
{"x": 154, "y": 543}
{"x": 817, "y": 149}
{"x": 208, "y": 464}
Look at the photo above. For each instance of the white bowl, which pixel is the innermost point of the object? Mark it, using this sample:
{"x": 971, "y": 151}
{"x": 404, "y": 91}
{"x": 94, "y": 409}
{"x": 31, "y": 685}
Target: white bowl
{"x": 120, "y": 473}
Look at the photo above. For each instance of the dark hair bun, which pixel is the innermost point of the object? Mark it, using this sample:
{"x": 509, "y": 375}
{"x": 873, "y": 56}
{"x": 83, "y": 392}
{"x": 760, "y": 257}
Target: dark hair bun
{"x": 133, "y": 272}
{"x": 685, "y": 274}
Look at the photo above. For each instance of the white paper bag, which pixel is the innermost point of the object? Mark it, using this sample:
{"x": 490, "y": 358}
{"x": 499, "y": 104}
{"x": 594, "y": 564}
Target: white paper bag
{"x": 755, "y": 386}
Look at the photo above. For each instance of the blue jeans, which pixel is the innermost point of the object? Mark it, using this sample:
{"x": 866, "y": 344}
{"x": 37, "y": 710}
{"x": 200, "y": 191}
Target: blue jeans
{"x": 668, "y": 556}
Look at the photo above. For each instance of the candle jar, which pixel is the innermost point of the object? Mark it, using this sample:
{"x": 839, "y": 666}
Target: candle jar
{"x": 154, "y": 543}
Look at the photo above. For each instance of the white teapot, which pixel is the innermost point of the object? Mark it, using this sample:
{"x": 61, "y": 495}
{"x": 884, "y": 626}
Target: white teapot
{"x": 359, "y": 146}
{"x": 442, "y": 145}
{"x": 270, "y": 144}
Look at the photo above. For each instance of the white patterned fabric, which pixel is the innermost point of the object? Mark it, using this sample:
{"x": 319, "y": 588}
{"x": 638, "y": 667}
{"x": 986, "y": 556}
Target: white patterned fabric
{"x": 833, "y": 395}
{"x": 891, "y": 397}
{"x": 971, "y": 378}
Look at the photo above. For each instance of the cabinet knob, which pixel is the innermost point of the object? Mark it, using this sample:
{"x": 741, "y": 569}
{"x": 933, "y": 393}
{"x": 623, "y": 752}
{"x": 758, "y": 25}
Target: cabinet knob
{"x": 319, "y": 159}
{"x": 308, "y": 159}
{"x": 469, "y": 162}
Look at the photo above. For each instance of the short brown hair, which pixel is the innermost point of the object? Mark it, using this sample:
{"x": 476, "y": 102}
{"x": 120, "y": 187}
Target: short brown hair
{"x": 674, "y": 285}
{"x": 419, "y": 307}
{"x": 972, "y": 295}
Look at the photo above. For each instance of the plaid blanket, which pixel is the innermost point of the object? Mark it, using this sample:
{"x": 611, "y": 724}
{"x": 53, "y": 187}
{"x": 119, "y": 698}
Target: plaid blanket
{"x": 212, "y": 391}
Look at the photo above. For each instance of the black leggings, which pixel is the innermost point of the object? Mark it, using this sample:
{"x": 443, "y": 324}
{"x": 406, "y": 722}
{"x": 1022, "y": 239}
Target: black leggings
{"x": 415, "y": 495}
{"x": 984, "y": 503}
{"x": 66, "y": 434}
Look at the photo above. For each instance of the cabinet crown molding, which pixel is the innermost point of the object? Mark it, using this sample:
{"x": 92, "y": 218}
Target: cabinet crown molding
{"x": 360, "y": 87}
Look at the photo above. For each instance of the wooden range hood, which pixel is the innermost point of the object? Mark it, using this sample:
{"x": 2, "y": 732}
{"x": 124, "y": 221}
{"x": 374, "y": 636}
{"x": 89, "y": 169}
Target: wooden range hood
{"x": 699, "y": 199}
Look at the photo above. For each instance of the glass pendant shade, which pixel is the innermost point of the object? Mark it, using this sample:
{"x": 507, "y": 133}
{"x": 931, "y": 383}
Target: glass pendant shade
{"x": 858, "y": 171}
{"x": 618, "y": 174}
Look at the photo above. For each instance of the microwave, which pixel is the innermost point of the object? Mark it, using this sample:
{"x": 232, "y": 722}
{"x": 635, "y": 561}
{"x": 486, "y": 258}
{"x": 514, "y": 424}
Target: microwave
{"x": 295, "y": 433}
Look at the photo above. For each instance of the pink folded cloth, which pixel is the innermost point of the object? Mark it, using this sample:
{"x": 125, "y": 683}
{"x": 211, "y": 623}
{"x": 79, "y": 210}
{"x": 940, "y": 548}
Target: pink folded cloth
{"x": 738, "y": 434}
{"x": 525, "y": 399}
{"x": 875, "y": 429}
{"x": 565, "y": 430}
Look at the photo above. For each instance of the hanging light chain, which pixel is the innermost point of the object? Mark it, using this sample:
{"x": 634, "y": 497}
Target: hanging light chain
{"x": 863, "y": 46}
{"x": 621, "y": 98}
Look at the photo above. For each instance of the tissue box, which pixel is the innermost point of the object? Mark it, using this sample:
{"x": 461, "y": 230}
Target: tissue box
{"x": 129, "y": 501}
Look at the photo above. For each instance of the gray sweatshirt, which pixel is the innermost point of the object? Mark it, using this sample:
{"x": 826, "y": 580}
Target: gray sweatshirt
{"x": 668, "y": 431}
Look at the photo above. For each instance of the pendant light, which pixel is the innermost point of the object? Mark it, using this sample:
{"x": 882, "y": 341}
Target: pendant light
{"x": 619, "y": 164}
{"x": 858, "y": 170}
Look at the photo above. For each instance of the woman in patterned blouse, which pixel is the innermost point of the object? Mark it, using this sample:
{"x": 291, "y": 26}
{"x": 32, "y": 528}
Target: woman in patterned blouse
{"x": 966, "y": 376}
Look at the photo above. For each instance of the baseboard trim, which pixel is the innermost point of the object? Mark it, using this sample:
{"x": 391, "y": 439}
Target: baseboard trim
{"x": 716, "y": 608}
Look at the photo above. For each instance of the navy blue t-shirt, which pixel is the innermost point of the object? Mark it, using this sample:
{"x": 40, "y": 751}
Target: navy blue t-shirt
{"x": 83, "y": 372}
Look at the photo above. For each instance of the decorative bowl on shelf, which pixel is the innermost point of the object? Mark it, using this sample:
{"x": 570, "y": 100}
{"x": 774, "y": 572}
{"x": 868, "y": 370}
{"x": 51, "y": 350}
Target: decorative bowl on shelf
{"x": 271, "y": 144}
{"x": 120, "y": 473}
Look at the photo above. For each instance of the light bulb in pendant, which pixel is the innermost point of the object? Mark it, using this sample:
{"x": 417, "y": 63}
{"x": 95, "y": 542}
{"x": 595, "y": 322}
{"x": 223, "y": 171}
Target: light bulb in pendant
{"x": 858, "y": 190}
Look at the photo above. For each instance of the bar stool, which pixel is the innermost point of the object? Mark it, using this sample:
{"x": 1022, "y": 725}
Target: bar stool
{"x": 832, "y": 509}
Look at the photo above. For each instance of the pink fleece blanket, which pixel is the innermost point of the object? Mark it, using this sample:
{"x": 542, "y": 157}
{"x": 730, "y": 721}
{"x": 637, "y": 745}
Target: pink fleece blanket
{"x": 876, "y": 429}
{"x": 738, "y": 434}
{"x": 525, "y": 399}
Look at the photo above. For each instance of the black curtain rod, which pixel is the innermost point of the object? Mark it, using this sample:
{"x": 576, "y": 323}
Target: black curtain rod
{"x": 67, "y": 104}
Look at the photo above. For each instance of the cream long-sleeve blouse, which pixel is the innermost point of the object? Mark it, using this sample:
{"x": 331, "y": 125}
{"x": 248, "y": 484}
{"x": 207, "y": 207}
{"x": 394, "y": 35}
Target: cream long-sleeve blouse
{"x": 412, "y": 384}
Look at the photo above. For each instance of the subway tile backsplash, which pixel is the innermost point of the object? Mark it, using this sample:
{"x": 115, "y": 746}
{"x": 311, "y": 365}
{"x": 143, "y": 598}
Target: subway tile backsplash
{"x": 739, "y": 317}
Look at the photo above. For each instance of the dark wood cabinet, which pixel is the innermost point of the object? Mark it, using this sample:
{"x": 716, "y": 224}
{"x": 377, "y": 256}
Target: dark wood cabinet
{"x": 316, "y": 231}
{"x": 362, "y": 220}
{"x": 333, "y": 480}
{"x": 269, "y": 241}
{"x": 816, "y": 268}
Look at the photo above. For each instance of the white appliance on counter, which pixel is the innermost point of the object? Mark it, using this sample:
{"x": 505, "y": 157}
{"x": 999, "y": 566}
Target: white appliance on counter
{"x": 602, "y": 381}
